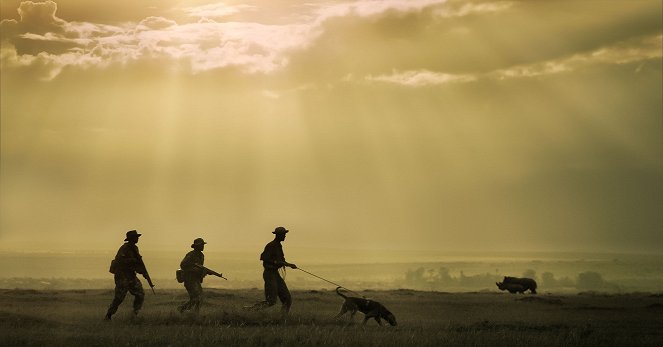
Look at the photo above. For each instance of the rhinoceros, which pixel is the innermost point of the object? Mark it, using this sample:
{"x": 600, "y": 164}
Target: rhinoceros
{"x": 511, "y": 287}
{"x": 526, "y": 283}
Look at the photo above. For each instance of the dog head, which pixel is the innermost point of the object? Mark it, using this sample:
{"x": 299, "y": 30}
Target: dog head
{"x": 389, "y": 317}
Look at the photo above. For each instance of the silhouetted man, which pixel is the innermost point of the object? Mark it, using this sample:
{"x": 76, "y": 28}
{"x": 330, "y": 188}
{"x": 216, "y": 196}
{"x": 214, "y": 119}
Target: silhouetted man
{"x": 273, "y": 259}
{"x": 126, "y": 264}
{"x": 191, "y": 265}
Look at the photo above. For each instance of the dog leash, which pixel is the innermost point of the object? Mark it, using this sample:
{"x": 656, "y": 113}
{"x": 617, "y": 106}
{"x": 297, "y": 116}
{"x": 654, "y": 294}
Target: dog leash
{"x": 326, "y": 280}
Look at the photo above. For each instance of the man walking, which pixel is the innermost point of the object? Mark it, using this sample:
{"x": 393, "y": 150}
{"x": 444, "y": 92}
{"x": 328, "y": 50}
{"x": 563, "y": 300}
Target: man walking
{"x": 126, "y": 264}
{"x": 192, "y": 267}
{"x": 273, "y": 259}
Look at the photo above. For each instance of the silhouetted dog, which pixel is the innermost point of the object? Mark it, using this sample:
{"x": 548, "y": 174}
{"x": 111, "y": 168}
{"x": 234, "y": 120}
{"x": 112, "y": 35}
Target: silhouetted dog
{"x": 370, "y": 309}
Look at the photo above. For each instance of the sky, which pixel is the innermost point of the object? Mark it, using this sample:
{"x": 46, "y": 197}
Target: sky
{"x": 420, "y": 125}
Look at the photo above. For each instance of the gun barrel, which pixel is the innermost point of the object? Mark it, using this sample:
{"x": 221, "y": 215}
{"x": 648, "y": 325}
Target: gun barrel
{"x": 211, "y": 272}
{"x": 149, "y": 281}
{"x": 147, "y": 276}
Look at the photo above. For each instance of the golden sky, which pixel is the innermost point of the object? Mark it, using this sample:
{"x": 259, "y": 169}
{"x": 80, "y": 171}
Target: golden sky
{"x": 383, "y": 125}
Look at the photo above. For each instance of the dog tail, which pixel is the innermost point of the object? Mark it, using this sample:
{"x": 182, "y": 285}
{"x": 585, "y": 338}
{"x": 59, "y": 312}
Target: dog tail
{"x": 339, "y": 293}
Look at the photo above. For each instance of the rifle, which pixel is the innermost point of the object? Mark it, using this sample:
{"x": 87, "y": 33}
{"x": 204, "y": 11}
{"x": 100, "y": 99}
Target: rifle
{"x": 146, "y": 275}
{"x": 209, "y": 271}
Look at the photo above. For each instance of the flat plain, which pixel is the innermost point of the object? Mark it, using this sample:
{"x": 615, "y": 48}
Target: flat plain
{"x": 490, "y": 318}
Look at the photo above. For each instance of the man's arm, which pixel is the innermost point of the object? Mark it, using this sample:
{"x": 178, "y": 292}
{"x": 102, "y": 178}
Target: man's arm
{"x": 291, "y": 265}
{"x": 187, "y": 263}
{"x": 142, "y": 269}
{"x": 271, "y": 257}
{"x": 285, "y": 263}
{"x": 140, "y": 265}
{"x": 191, "y": 264}
{"x": 126, "y": 258}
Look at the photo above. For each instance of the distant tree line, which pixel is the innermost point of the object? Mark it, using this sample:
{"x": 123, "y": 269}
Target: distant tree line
{"x": 94, "y": 283}
{"x": 54, "y": 283}
{"x": 441, "y": 279}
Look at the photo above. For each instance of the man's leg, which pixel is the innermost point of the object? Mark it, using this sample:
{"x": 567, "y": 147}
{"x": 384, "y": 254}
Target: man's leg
{"x": 187, "y": 304}
{"x": 196, "y": 296}
{"x": 136, "y": 289}
{"x": 271, "y": 289}
{"x": 284, "y": 295}
{"x": 121, "y": 289}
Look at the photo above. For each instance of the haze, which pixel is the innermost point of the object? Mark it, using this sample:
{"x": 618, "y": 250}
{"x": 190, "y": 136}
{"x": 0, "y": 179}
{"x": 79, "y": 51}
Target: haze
{"x": 416, "y": 125}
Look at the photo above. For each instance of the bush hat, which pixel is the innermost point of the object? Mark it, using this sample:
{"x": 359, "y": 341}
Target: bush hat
{"x": 132, "y": 233}
{"x": 198, "y": 241}
{"x": 280, "y": 230}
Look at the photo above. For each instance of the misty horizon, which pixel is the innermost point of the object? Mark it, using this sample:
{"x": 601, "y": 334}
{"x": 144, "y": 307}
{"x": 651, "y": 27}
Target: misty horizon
{"x": 360, "y": 255}
{"x": 557, "y": 273}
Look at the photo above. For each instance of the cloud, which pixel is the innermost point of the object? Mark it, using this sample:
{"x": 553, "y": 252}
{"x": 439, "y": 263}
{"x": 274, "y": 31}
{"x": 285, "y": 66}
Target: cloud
{"x": 155, "y": 23}
{"x": 10, "y": 59}
{"x": 43, "y": 41}
{"x": 205, "y": 45}
{"x": 8, "y": 29}
{"x": 629, "y": 51}
{"x": 39, "y": 17}
{"x": 270, "y": 94}
{"x": 216, "y": 10}
{"x": 420, "y": 78}
{"x": 367, "y": 8}
{"x": 35, "y": 18}
{"x": 461, "y": 9}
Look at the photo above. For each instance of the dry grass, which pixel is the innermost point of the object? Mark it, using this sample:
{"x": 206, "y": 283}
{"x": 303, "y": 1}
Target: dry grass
{"x": 74, "y": 318}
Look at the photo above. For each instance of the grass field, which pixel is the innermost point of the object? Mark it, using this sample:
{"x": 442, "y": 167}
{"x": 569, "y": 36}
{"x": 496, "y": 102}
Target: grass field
{"x": 74, "y": 318}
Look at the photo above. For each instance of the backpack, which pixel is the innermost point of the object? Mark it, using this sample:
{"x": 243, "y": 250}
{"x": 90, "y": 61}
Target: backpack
{"x": 179, "y": 275}
{"x": 113, "y": 267}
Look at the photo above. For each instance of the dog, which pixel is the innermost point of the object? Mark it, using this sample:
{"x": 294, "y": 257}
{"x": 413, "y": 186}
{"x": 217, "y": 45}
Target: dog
{"x": 370, "y": 309}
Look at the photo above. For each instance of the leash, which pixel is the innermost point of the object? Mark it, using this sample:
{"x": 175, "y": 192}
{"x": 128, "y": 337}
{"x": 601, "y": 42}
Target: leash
{"x": 326, "y": 280}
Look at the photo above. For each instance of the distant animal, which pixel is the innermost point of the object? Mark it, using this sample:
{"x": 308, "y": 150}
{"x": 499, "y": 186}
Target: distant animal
{"x": 370, "y": 309}
{"x": 526, "y": 283}
{"x": 511, "y": 287}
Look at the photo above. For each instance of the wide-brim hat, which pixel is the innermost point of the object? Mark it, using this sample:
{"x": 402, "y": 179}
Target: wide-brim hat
{"x": 132, "y": 233}
{"x": 198, "y": 241}
{"x": 280, "y": 230}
